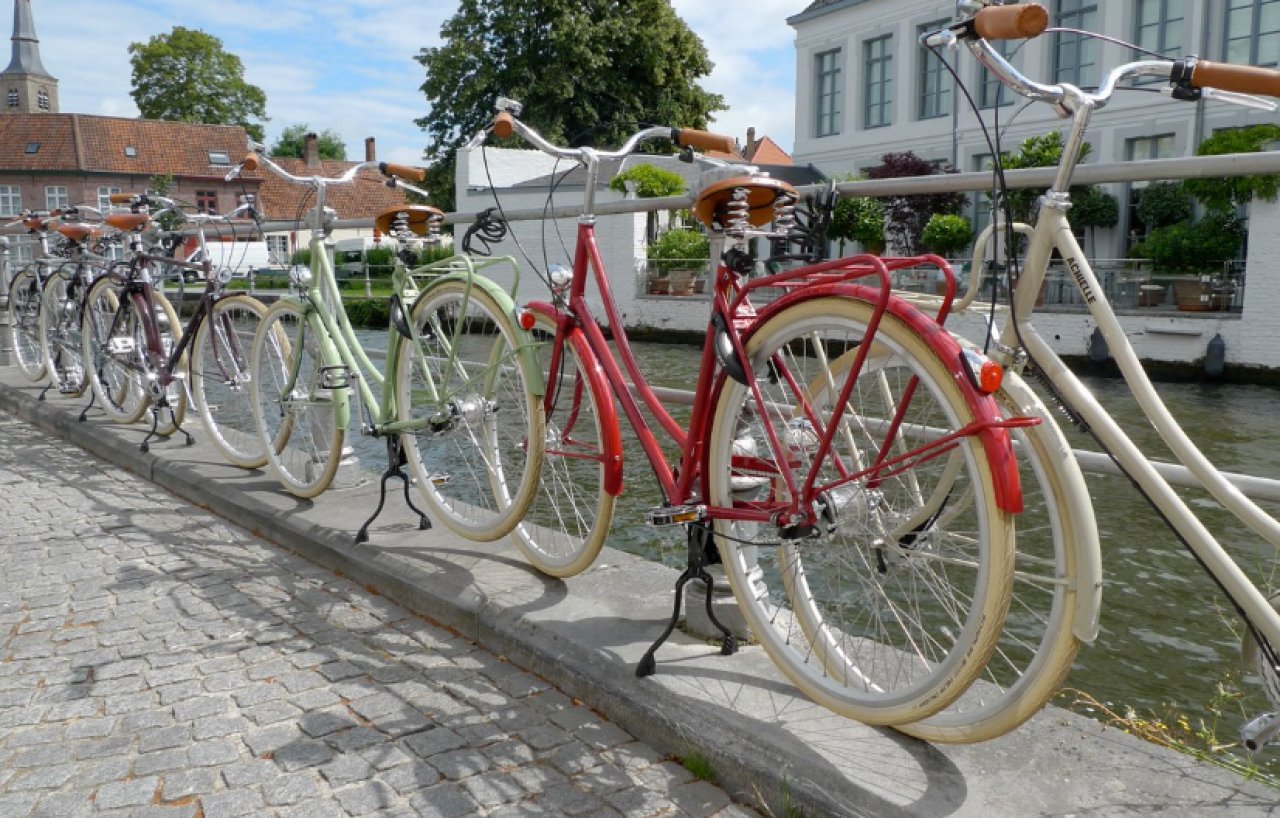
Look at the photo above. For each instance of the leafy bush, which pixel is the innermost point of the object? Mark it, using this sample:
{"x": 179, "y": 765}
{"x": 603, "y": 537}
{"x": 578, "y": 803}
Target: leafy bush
{"x": 1091, "y": 206}
{"x": 651, "y": 182}
{"x": 1161, "y": 204}
{"x": 947, "y": 234}
{"x": 858, "y": 219}
{"x": 431, "y": 254}
{"x": 1228, "y": 192}
{"x": 675, "y": 248}
{"x": 368, "y": 312}
{"x": 1193, "y": 247}
{"x": 302, "y": 257}
{"x": 905, "y": 216}
{"x": 379, "y": 261}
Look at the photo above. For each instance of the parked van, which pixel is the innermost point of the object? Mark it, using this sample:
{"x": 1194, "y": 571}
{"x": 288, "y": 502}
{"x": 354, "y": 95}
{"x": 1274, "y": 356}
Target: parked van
{"x": 241, "y": 257}
{"x": 348, "y": 256}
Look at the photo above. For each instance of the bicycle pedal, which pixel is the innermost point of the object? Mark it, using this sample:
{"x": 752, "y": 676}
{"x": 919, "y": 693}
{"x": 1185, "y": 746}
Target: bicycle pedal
{"x": 335, "y": 377}
{"x": 675, "y": 515}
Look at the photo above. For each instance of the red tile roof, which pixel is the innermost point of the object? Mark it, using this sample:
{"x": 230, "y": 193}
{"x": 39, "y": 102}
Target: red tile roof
{"x": 364, "y": 198}
{"x": 71, "y": 142}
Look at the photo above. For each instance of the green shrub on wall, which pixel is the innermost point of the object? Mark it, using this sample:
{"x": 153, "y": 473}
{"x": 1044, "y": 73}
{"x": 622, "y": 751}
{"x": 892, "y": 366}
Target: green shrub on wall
{"x": 675, "y": 248}
{"x": 947, "y": 234}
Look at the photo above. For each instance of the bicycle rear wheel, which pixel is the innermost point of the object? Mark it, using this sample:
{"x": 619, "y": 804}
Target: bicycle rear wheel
{"x": 295, "y": 406}
{"x": 569, "y": 518}
{"x": 170, "y": 409}
{"x": 24, "y": 324}
{"x": 113, "y": 351}
{"x": 220, "y": 371}
{"x": 1038, "y": 643}
{"x": 879, "y": 612}
{"x": 61, "y": 344}
{"x": 476, "y": 457}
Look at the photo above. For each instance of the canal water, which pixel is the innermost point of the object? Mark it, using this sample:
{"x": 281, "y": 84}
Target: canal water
{"x": 1169, "y": 642}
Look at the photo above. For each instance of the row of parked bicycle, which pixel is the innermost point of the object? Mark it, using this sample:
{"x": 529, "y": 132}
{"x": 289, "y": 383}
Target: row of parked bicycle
{"x": 853, "y": 468}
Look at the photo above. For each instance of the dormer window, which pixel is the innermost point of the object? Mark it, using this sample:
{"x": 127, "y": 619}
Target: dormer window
{"x": 13, "y": 97}
{"x": 130, "y": 151}
{"x": 33, "y": 147}
{"x": 42, "y": 99}
{"x": 219, "y": 158}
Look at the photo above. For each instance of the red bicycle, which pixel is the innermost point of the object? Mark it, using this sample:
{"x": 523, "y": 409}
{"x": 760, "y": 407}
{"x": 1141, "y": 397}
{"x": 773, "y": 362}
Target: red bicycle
{"x": 843, "y": 458}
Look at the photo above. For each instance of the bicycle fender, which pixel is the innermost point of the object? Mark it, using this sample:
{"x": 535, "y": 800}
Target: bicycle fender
{"x": 995, "y": 440}
{"x": 528, "y": 354}
{"x": 610, "y": 432}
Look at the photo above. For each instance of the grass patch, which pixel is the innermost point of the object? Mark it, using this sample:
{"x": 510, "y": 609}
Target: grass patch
{"x": 698, "y": 765}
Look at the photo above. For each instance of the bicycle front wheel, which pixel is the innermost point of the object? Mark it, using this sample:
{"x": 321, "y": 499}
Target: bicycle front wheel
{"x": 24, "y": 324}
{"x": 877, "y": 611}
{"x": 60, "y": 325}
{"x": 569, "y": 518}
{"x": 220, "y": 374}
{"x": 476, "y": 454}
{"x": 114, "y": 343}
{"x": 295, "y": 404}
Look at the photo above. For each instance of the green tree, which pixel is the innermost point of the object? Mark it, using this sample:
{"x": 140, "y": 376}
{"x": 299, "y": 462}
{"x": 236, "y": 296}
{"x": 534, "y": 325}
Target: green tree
{"x": 947, "y": 233}
{"x": 1036, "y": 152}
{"x": 186, "y": 76}
{"x": 1194, "y": 247}
{"x": 293, "y": 138}
{"x": 587, "y": 71}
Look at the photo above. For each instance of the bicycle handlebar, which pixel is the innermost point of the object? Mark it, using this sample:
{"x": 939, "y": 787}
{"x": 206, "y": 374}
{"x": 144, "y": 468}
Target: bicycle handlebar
{"x": 504, "y": 124}
{"x": 1188, "y": 77}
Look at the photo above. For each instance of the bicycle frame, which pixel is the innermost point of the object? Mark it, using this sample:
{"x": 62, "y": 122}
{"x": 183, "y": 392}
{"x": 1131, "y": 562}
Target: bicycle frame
{"x": 731, "y": 305}
{"x": 320, "y": 303}
{"x": 1052, "y": 231}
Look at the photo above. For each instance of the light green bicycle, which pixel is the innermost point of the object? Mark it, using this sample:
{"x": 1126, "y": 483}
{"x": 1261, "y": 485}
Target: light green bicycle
{"x": 460, "y": 387}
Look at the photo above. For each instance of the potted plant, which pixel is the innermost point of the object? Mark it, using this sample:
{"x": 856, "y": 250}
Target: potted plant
{"x": 675, "y": 260}
{"x": 1195, "y": 251}
{"x": 947, "y": 234}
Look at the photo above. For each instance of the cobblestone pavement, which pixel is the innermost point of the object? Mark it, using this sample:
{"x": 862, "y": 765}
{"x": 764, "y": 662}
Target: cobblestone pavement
{"x": 158, "y": 661}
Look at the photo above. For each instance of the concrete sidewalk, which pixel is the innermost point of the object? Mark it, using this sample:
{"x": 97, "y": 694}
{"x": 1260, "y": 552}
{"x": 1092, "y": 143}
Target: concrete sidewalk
{"x": 584, "y": 635}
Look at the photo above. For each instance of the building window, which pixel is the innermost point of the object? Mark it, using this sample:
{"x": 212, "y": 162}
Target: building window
{"x": 1253, "y": 32}
{"x": 56, "y": 198}
{"x": 278, "y": 249}
{"x": 104, "y": 197}
{"x": 42, "y": 99}
{"x": 33, "y": 148}
{"x": 935, "y": 82}
{"x": 13, "y": 97}
{"x": 830, "y": 93}
{"x": 130, "y": 151}
{"x": 877, "y": 110}
{"x": 10, "y": 200}
{"x": 992, "y": 92}
{"x": 207, "y": 201}
{"x": 1135, "y": 150}
{"x": 1074, "y": 55}
{"x": 1158, "y": 26}
{"x": 219, "y": 158}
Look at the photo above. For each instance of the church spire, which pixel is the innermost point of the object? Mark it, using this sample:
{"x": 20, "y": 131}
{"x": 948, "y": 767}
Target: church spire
{"x": 25, "y": 86}
{"x": 26, "y": 46}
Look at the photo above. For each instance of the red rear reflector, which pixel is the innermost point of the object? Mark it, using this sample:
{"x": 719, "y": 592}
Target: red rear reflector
{"x": 526, "y": 319}
{"x": 990, "y": 376}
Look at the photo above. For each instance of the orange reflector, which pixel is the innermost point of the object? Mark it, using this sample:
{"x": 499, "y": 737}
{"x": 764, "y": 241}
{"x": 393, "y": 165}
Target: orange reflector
{"x": 990, "y": 376}
{"x": 526, "y": 319}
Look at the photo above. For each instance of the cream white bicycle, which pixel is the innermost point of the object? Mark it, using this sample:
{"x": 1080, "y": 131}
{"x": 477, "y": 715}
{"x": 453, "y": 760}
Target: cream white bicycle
{"x": 1061, "y": 594}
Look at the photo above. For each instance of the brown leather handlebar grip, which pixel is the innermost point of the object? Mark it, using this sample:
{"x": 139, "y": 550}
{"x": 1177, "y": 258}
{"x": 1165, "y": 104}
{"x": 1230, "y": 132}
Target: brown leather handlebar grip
{"x": 249, "y": 163}
{"x": 1243, "y": 79}
{"x": 1018, "y": 22}
{"x": 704, "y": 140}
{"x": 503, "y": 125}
{"x": 403, "y": 171}
{"x": 122, "y": 198}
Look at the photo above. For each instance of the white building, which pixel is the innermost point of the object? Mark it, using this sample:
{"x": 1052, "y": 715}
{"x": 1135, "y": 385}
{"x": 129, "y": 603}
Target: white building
{"x": 866, "y": 87}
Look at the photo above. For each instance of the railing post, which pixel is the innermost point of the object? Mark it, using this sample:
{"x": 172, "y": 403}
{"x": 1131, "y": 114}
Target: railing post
{"x": 6, "y": 336}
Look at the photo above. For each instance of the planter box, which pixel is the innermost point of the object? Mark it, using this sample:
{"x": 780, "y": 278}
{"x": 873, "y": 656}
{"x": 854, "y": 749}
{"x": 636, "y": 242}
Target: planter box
{"x": 1150, "y": 295}
{"x": 1193, "y": 295}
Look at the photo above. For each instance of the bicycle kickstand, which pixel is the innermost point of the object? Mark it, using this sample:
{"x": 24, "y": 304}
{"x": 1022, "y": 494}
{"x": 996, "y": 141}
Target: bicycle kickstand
{"x": 395, "y": 468}
{"x": 699, "y": 539}
{"x": 84, "y": 413}
{"x": 45, "y": 391}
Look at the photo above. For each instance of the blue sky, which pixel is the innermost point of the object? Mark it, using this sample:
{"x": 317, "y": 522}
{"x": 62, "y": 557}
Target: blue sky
{"x": 347, "y": 65}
